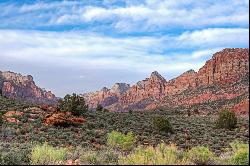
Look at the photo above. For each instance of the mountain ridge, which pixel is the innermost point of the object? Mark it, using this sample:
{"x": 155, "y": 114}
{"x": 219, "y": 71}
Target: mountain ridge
{"x": 23, "y": 88}
{"x": 224, "y": 68}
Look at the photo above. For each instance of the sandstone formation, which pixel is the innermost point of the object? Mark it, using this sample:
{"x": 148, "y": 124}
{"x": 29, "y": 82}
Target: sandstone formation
{"x": 10, "y": 116}
{"x": 226, "y": 66}
{"x": 106, "y": 96}
{"x": 242, "y": 108}
{"x": 223, "y": 77}
{"x": 63, "y": 119}
{"x": 23, "y": 88}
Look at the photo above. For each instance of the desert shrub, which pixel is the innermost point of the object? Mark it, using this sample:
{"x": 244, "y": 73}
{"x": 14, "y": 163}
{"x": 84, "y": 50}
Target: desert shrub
{"x": 14, "y": 153}
{"x": 74, "y": 104}
{"x": 121, "y": 141}
{"x": 200, "y": 155}
{"x": 162, "y": 124}
{"x": 99, "y": 108}
{"x": 240, "y": 154}
{"x": 46, "y": 154}
{"x": 102, "y": 157}
{"x": 227, "y": 119}
{"x": 161, "y": 155}
{"x": 1, "y": 118}
{"x": 105, "y": 110}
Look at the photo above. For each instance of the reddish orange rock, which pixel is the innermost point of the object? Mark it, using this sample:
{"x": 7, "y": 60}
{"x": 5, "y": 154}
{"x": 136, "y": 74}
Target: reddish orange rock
{"x": 242, "y": 108}
{"x": 23, "y": 88}
{"x": 10, "y": 116}
{"x": 218, "y": 79}
{"x": 62, "y": 118}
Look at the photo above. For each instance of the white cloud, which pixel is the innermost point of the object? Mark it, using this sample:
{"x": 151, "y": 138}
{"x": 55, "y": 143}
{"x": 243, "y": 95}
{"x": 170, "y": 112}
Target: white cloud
{"x": 139, "y": 54}
{"x": 212, "y": 37}
{"x": 162, "y": 14}
{"x": 148, "y": 15}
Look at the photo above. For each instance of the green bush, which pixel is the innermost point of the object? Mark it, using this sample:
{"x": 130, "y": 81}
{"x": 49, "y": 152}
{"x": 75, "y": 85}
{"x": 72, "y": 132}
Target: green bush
{"x": 121, "y": 141}
{"x": 102, "y": 157}
{"x": 200, "y": 155}
{"x": 240, "y": 153}
{"x": 99, "y": 108}
{"x": 162, "y": 124}
{"x": 74, "y": 104}
{"x": 46, "y": 154}
{"x": 227, "y": 119}
{"x": 14, "y": 153}
{"x": 161, "y": 155}
{"x": 1, "y": 118}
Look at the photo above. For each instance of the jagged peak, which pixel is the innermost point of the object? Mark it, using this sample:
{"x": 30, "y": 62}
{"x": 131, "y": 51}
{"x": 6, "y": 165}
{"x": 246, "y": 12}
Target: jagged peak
{"x": 189, "y": 71}
{"x": 120, "y": 87}
{"x": 105, "y": 89}
{"x": 155, "y": 74}
{"x": 229, "y": 51}
{"x": 9, "y": 75}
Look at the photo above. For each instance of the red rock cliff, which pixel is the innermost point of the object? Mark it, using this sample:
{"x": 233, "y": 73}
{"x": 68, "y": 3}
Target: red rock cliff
{"x": 223, "y": 70}
{"x": 23, "y": 88}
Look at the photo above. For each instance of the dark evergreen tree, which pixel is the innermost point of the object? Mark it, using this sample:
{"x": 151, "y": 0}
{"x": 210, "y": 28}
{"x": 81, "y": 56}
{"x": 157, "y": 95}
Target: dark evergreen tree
{"x": 74, "y": 104}
{"x": 99, "y": 108}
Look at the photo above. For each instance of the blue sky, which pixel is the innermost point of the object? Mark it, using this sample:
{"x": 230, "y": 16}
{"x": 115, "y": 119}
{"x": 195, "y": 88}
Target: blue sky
{"x": 81, "y": 46}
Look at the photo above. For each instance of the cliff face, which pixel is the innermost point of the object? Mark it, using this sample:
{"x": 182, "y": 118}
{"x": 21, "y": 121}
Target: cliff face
{"x": 185, "y": 81}
{"x": 152, "y": 87}
{"x": 23, "y": 88}
{"x": 226, "y": 66}
{"x": 219, "y": 79}
{"x": 106, "y": 96}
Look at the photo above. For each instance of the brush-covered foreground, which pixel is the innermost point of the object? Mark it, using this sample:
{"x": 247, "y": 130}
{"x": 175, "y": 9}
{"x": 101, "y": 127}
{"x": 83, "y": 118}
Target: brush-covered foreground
{"x": 193, "y": 139}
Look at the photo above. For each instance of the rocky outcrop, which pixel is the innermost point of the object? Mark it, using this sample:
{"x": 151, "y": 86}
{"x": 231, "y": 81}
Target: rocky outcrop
{"x": 152, "y": 87}
{"x": 23, "y": 88}
{"x": 11, "y": 116}
{"x": 63, "y": 119}
{"x": 185, "y": 81}
{"x": 106, "y": 96}
{"x": 219, "y": 79}
{"x": 226, "y": 66}
{"x": 242, "y": 108}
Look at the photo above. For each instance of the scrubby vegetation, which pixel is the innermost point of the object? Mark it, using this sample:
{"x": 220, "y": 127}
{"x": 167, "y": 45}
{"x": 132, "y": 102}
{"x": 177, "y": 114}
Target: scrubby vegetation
{"x": 227, "y": 119}
{"x": 162, "y": 154}
{"x": 121, "y": 138}
{"x": 163, "y": 124}
{"x": 46, "y": 154}
{"x": 121, "y": 141}
{"x": 74, "y": 104}
{"x": 1, "y": 118}
{"x": 200, "y": 155}
{"x": 99, "y": 107}
{"x": 240, "y": 153}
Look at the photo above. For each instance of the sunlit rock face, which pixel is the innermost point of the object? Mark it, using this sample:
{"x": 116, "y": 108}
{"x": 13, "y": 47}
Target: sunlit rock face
{"x": 221, "y": 78}
{"x": 23, "y": 88}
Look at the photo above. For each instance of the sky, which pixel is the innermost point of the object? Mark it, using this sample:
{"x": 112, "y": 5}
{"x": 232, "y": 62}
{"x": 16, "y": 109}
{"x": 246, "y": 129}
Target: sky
{"x": 82, "y": 46}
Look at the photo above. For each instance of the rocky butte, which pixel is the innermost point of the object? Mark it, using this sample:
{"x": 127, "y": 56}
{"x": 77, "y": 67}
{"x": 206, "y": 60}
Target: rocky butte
{"x": 23, "y": 88}
{"x": 223, "y": 79}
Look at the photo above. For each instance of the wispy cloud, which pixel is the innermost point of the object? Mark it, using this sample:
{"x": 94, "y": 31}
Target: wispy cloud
{"x": 128, "y": 17}
{"x": 90, "y": 50}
